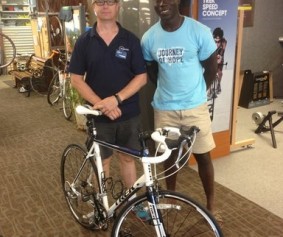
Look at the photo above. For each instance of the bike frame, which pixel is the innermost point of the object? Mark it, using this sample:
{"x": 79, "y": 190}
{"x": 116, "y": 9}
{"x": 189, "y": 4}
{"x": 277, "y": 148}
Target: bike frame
{"x": 144, "y": 180}
{"x": 168, "y": 139}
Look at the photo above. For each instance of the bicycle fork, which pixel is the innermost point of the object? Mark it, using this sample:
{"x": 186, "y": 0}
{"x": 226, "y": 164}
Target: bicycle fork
{"x": 62, "y": 84}
{"x": 156, "y": 215}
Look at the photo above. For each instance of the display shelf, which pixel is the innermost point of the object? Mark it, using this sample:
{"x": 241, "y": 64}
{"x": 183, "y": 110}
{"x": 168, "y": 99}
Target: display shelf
{"x": 15, "y": 22}
{"x": 26, "y": 11}
{"x": 14, "y": 13}
{"x": 14, "y": 4}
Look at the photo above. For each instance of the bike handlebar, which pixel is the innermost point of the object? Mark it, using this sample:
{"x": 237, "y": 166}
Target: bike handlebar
{"x": 87, "y": 109}
{"x": 166, "y": 152}
{"x": 184, "y": 136}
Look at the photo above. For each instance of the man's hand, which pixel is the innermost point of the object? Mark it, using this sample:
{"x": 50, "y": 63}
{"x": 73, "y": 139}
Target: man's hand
{"x": 114, "y": 114}
{"x": 109, "y": 107}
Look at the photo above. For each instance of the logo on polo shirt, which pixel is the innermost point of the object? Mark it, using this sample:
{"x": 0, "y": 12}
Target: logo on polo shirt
{"x": 122, "y": 52}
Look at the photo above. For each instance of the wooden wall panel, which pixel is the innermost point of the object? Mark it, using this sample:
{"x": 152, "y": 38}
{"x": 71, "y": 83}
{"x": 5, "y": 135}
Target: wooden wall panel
{"x": 222, "y": 140}
{"x": 41, "y": 38}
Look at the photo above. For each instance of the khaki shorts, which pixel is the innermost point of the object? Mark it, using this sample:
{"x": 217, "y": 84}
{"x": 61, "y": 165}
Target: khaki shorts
{"x": 198, "y": 116}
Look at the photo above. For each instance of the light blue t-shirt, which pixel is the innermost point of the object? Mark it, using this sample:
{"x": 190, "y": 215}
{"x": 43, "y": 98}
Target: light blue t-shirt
{"x": 180, "y": 83}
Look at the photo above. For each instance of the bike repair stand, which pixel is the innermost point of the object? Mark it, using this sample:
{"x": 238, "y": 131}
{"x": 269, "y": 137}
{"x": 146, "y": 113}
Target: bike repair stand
{"x": 263, "y": 128}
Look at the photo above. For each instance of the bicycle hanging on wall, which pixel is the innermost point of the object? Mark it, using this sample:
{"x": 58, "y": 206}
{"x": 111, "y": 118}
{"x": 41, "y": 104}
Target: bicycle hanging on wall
{"x": 6, "y": 42}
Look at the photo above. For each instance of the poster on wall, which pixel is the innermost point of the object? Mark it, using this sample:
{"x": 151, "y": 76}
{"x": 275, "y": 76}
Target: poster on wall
{"x": 221, "y": 17}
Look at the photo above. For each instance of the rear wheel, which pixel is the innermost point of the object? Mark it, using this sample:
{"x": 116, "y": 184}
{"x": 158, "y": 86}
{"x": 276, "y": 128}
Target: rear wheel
{"x": 80, "y": 185}
{"x": 180, "y": 216}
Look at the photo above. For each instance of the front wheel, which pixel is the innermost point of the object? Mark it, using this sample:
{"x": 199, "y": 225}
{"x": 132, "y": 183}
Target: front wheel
{"x": 79, "y": 180}
{"x": 54, "y": 90}
{"x": 180, "y": 216}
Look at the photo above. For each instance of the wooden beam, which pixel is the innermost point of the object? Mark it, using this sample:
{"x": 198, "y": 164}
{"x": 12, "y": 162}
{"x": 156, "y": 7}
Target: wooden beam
{"x": 237, "y": 88}
{"x": 270, "y": 87}
{"x": 242, "y": 144}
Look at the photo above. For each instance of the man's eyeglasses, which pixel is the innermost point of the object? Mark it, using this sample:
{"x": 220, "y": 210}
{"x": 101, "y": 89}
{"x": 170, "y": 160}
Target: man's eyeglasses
{"x": 102, "y": 2}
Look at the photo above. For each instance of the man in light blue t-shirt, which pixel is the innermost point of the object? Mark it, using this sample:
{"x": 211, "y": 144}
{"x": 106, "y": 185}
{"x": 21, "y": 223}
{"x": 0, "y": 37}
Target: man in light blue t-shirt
{"x": 180, "y": 54}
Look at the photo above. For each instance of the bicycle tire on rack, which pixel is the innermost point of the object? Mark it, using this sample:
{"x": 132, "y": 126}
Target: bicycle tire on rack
{"x": 67, "y": 100}
{"x": 182, "y": 216}
{"x": 54, "y": 91}
{"x": 80, "y": 198}
{"x": 9, "y": 41}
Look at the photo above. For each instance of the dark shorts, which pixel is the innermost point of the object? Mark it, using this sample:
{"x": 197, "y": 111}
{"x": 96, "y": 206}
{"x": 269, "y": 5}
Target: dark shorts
{"x": 123, "y": 133}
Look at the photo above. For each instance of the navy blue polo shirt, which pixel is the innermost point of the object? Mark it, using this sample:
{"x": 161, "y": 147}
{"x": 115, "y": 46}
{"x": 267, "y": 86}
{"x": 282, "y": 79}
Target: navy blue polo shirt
{"x": 109, "y": 68}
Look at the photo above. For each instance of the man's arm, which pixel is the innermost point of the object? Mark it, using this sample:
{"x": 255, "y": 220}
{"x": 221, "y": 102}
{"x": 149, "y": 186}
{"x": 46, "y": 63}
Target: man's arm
{"x": 152, "y": 71}
{"x": 210, "y": 69}
{"x": 83, "y": 89}
{"x": 133, "y": 87}
{"x": 109, "y": 105}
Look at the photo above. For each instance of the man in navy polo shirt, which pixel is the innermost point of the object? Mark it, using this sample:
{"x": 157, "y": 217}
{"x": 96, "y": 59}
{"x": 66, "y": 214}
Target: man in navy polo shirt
{"x": 112, "y": 60}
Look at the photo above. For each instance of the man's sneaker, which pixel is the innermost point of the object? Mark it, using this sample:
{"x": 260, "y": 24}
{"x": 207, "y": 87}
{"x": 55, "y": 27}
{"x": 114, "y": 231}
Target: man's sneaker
{"x": 141, "y": 213}
{"x": 23, "y": 89}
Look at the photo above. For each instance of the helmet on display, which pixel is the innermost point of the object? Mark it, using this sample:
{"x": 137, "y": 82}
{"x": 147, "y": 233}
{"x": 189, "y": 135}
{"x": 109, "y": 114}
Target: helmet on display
{"x": 22, "y": 65}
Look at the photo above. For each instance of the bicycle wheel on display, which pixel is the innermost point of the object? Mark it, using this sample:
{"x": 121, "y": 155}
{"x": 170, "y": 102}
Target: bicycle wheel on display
{"x": 67, "y": 100}
{"x": 54, "y": 90}
{"x": 8, "y": 44}
{"x": 181, "y": 216}
{"x": 79, "y": 180}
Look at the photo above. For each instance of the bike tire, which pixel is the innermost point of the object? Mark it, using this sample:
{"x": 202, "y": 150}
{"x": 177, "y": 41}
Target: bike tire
{"x": 67, "y": 100}
{"x": 80, "y": 195}
{"x": 8, "y": 42}
{"x": 54, "y": 90}
{"x": 181, "y": 216}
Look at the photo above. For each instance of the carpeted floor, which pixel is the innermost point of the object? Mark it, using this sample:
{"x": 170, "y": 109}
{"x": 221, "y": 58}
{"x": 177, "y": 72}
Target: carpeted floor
{"x": 33, "y": 136}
